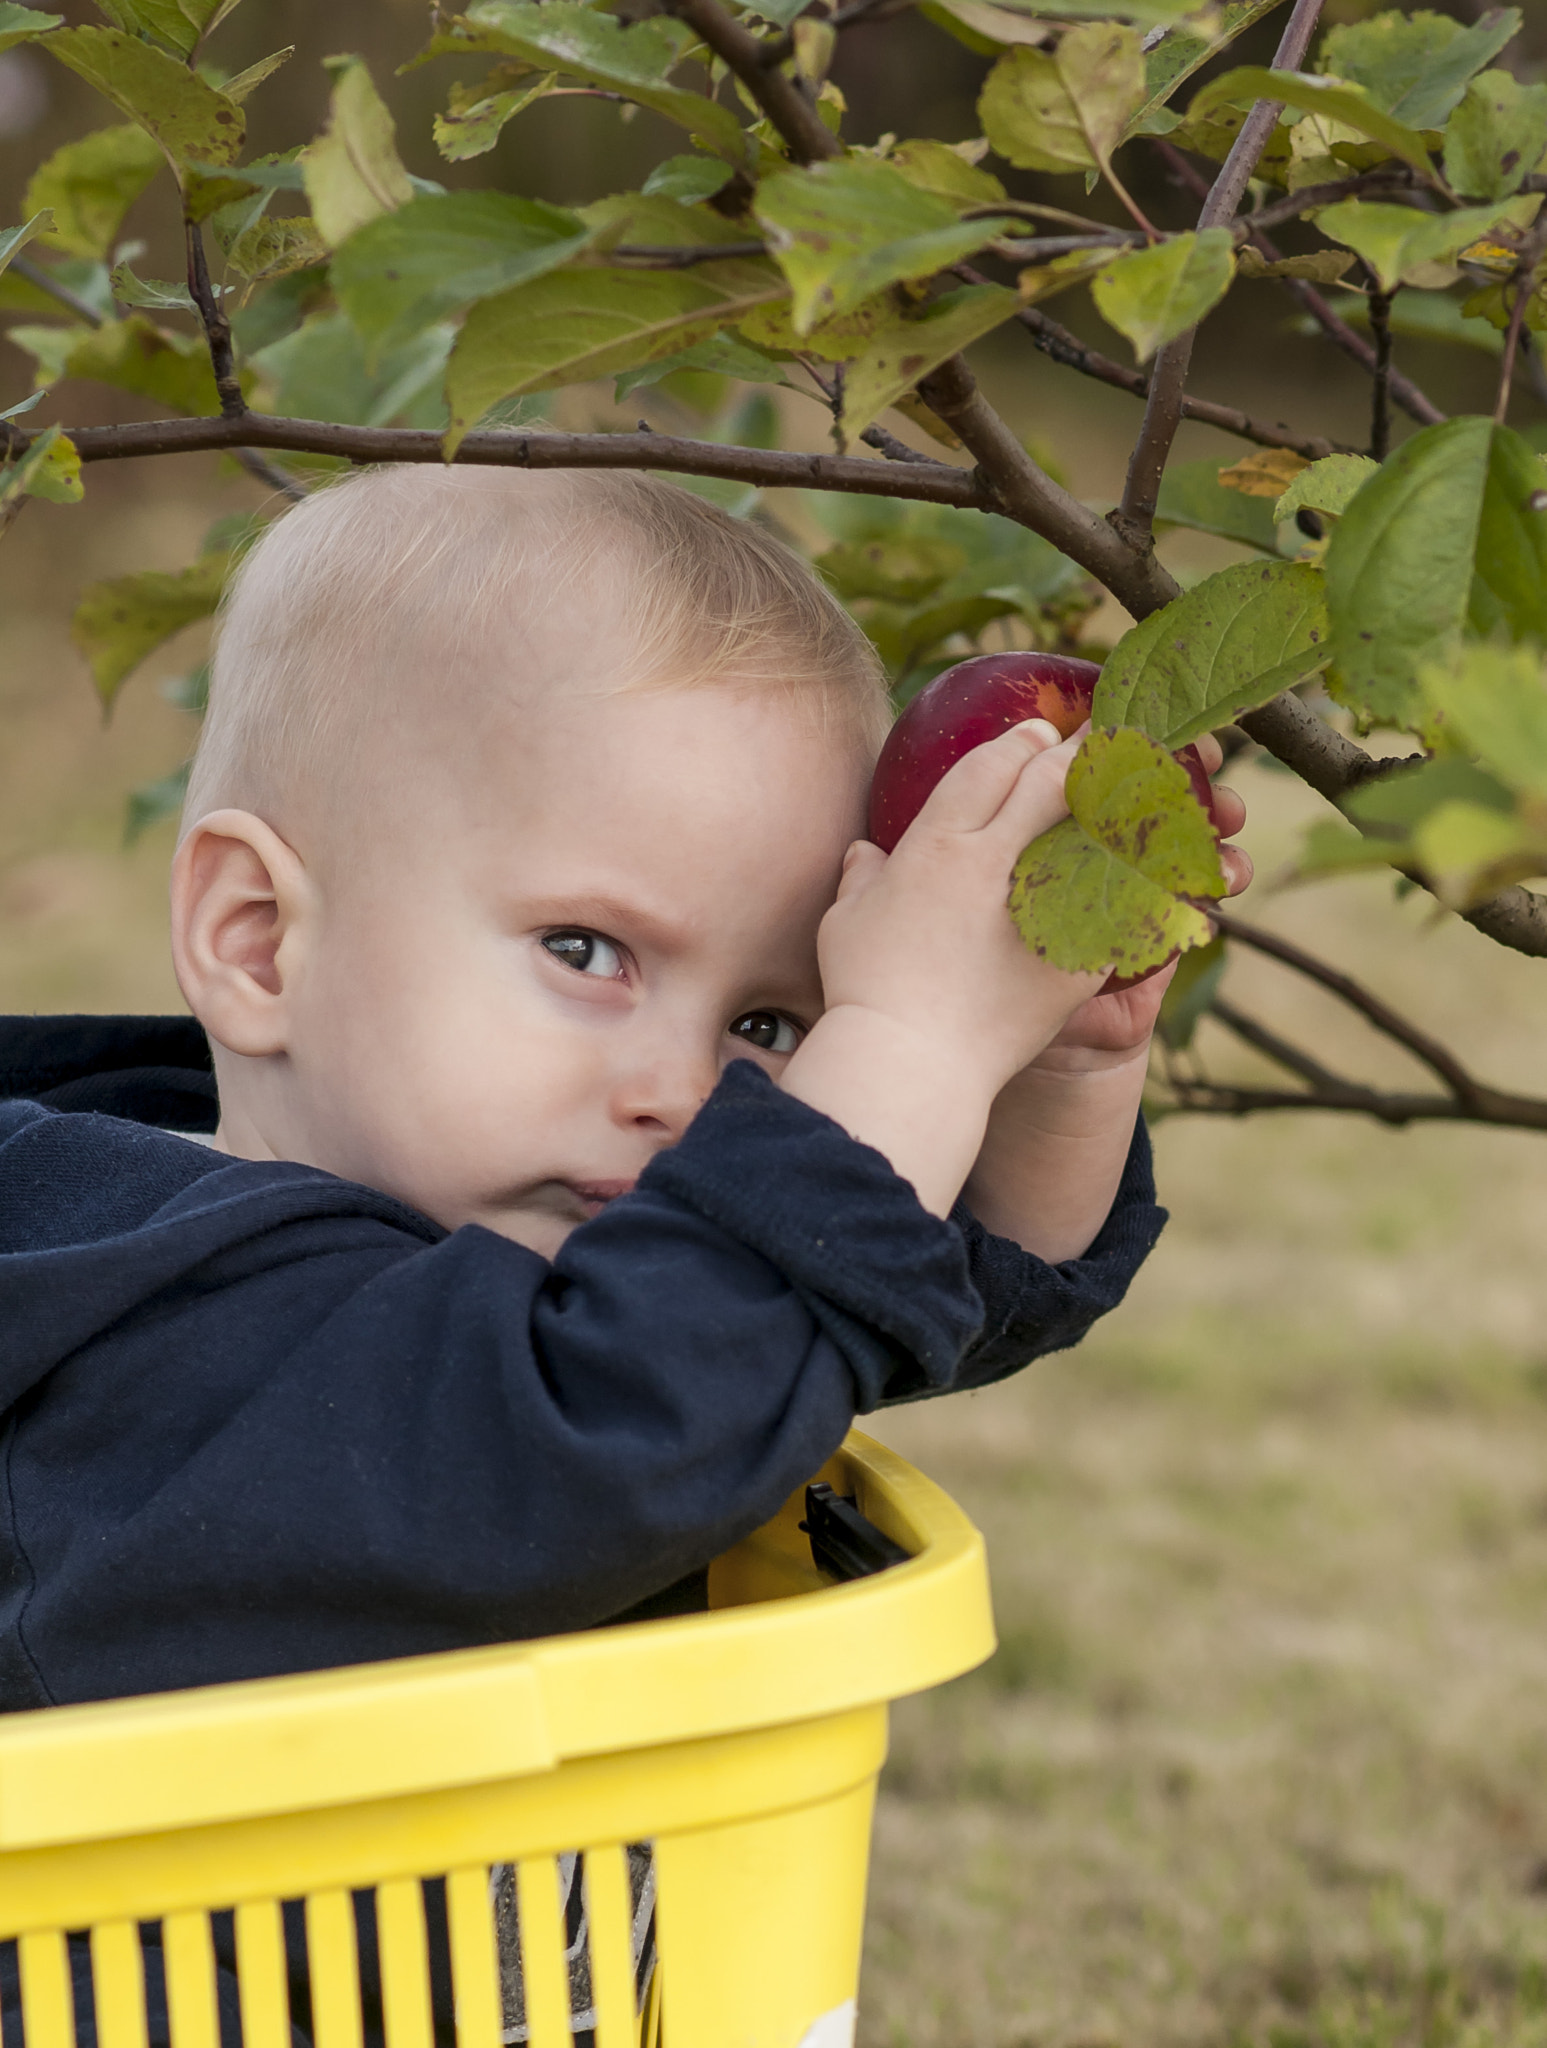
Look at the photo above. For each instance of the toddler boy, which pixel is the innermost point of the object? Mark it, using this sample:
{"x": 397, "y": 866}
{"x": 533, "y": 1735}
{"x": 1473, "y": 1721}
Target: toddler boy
{"x": 583, "y": 1165}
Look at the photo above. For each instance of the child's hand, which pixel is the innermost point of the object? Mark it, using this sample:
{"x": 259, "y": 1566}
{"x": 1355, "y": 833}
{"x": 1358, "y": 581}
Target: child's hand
{"x": 932, "y": 1000}
{"x": 1116, "y": 1027}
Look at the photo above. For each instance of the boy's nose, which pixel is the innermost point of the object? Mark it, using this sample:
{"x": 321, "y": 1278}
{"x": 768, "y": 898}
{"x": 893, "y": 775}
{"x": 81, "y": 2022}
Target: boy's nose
{"x": 660, "y": 1095}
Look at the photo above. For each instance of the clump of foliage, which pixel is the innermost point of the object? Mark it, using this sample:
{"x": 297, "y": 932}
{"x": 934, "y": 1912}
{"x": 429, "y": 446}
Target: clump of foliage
{"x": 336, "y": 309}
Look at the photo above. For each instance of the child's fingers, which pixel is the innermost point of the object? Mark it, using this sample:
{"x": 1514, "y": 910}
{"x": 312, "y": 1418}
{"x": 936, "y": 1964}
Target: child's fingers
{"x": 1037, "y": 800}
{"x": 1210, "y": 753}
{"x": 1229, "y": 811}
{"x": 1237, "y": 864}
{"x": 972, "y": 792}
{"x": 861, "y": 864}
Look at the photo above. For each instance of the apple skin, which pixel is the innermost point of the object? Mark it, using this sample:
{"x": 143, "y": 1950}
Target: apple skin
{"x": 976, "y": 701}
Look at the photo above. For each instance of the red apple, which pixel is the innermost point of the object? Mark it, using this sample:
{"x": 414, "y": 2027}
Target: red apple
{"x": 975, "y": 701}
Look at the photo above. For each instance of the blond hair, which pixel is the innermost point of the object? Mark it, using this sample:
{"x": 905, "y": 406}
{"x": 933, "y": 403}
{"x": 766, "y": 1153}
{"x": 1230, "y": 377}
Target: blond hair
{"x": 379, "y": 596}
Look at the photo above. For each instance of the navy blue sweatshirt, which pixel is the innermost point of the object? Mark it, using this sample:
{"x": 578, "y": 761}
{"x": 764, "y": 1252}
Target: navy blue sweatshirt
{"x": 258, "y": 1419}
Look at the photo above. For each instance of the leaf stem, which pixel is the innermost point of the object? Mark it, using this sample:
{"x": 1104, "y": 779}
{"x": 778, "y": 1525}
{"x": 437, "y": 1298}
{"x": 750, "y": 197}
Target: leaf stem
{"x": 1380, "y": 401}
{"x": 1135, "y": 517}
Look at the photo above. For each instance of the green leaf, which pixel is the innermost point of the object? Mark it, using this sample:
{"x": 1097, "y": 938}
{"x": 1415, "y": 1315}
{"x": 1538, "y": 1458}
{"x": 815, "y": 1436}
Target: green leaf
{"x": 180, "y": 24}
{"x": 1327, "y": 486}
{"x": 1148, "y": 14}
{"x": 1155, "y": 294}
{"x": 154, "y": 295}
{"x": 319, "y": 371}
{"x": 1494, "y": 699}
{"x": 942, "y": 167}
{"x": 22, "y": 24}
{"x": 1180, "y": 53}
{"x": 1444, "y": 540}
{"x": 574, "y": 325}
{"x": 12, "y": 239}
{"x": 1398, "y": 242}
{"x": 902, "y": 354}
{"x": 132, "y": 355}
{"x": 153, "y": 801}
{"x": 1224, "y": 647}
{"x": 1065, "y": 110}
{"x": 1109, "y": 886}
{"x": 187, "y": 117}
{"x": 1497, "y": 136}
{"x": 476, "y": 115}
{"x": 1192, "y": 495}
{"x": 91, "y": 184}
{"x": 1190, "y": 996}
{"x": 244, "y": 84}
{"x": 1327, "y": 98}
{"x": 276, "y": 248}
{"x": 688, "y": 179}
{"x": 404, "y": 271}
{"x": 722, "y": 355}
{"x": 1468, "y": 853}
{"x": 1398, "y": 801}
{"x": 1415, "y": 66}
{"x": 1328, "y": 849}
{"x": 558, "y": 35}
{"x": 353, "y": 171}
{"x": 841, "y": 231}
{"x": 51, "y": 468}
{"x": 118, "y": 623}
{"x": 1039, "y": 281}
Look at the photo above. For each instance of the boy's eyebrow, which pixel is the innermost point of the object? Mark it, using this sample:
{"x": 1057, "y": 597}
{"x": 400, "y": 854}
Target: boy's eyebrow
{"x": 601, "y": 912}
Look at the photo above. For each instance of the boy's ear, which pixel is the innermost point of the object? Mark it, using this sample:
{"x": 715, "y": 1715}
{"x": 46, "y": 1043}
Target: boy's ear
{"x": 240, "y": 898}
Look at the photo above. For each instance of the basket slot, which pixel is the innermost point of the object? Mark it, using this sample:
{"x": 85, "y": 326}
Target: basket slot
{"x": 610, "y": 1916}
{"x": 545, "y": 1973}
{"x": 192, "y": 2009}
{"x": 405, "y": 1978}
{"x": 48, "y": 2008}
{"x": 475, "y": 1967}
{"x": 261, "y": 1972}
{"x": 118, "y": 1981}
{"x": 335, "y": 1970}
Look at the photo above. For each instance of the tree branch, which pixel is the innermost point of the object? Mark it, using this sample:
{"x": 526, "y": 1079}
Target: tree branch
{"x": 1021, "y": 490}
{"x": 936, "y": 483}
{"x": 217, "y": 328}
{"x": 1006, "y": 476}
{"x": 643, "y": 256}
{"x": 1440, "y": 1062}
{"x": 1209, "y": 1098}
{"x": 1404, "y": 391}
{"x": 1272, "y": 1047}
{"x": 40, "y": 275}
{"x": 1380, "y": 404}
{"x": 1135, "y": 517}
{"x": 780, "y": 98}
{"x": 1385, "y": 178}
{"x": 1334, "y": 766}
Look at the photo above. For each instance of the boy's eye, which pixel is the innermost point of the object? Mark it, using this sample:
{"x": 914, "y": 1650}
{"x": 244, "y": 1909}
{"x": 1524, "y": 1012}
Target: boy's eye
{"x": 767, "y": 1030}
{"x": 587, "y": 953}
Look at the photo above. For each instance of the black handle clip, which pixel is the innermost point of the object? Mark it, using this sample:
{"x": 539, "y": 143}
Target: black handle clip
{"x": 843, "y": 1543}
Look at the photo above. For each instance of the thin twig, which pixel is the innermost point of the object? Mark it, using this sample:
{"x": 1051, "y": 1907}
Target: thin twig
{"x": 270, "y": 474}
{"x": 1034, "y": 210}
{"x": 1044, "y": 247}
{"x": 38, "y": 274}
{"x": 1380, "y": 401}
{"x": 1511, "y": 349}
{"x": 780, "y": 98}
{"x": 1386, "y": 177}
{"x": 894, "y": 450}
{"x": 1209, "y": 1098}
{"x": 1404, "y": 391}
{"x": 643, "y": 256}
{"x": 1135, "y": 517}
{"x": 1440, "y": 1062}
{"x": 1272, "y": 1047}
{"x": 1067, "y": 349}
{"x": 217, "y": 328}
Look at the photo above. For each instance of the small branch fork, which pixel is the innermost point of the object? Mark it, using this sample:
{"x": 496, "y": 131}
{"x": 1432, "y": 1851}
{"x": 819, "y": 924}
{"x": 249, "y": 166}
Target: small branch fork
{"x": 1134, "y": 519}
{"x": 1465, "y": 1098}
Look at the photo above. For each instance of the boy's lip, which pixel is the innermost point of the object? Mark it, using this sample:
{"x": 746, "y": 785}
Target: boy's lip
{"x": 596, "y": 1194}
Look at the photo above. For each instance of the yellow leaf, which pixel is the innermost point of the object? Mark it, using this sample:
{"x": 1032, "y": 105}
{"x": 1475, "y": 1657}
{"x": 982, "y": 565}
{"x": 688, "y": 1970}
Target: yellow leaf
{"x": 1266, "y": 474}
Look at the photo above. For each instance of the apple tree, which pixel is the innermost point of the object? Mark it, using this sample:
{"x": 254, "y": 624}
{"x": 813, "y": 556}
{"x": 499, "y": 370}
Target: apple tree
{"x": 334, "y": 309}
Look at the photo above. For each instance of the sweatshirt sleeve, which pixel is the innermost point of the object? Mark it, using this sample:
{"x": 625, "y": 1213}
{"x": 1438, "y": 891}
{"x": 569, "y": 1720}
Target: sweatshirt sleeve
{"x": 1030, "y": 1307}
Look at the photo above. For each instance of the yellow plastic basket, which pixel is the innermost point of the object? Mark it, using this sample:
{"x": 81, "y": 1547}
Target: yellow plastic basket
{"x": 743, "y": 1744}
